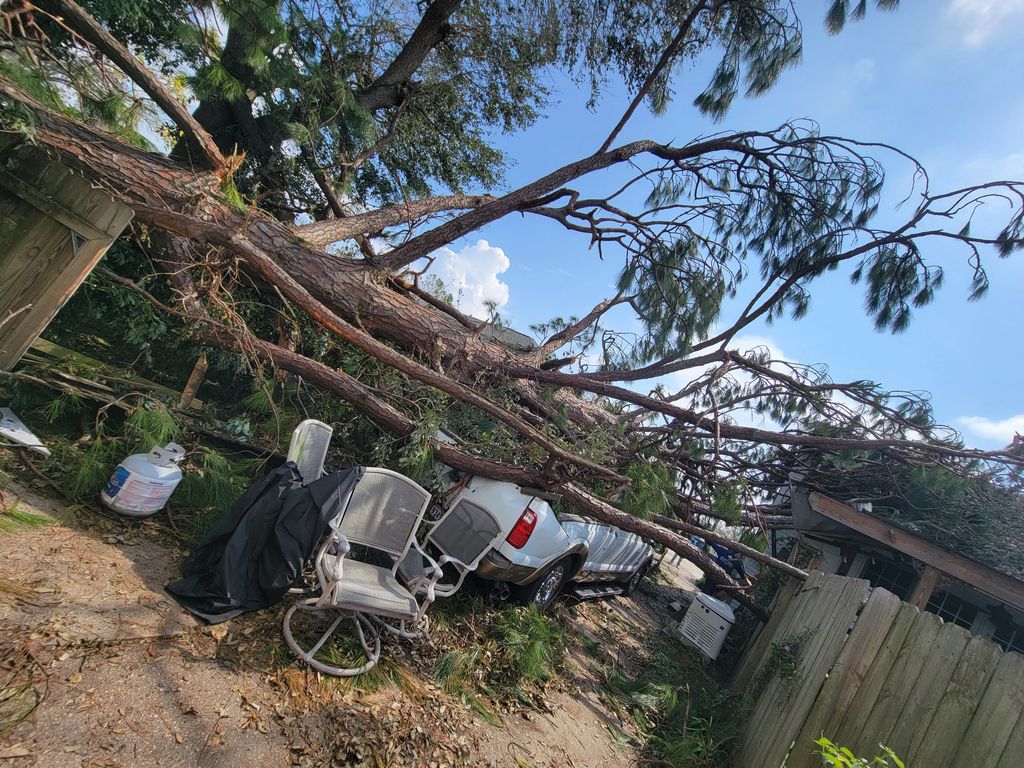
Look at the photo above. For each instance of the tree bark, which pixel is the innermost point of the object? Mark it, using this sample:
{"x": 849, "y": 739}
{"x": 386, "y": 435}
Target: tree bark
{"x": 387, "y": 90}
{"x": 755, "y": 555}
{"x": 322, "y": 233}
{"x": 168, "y": 196}
{"x": 393, "y": 420}
{"x": 90, "y": 30}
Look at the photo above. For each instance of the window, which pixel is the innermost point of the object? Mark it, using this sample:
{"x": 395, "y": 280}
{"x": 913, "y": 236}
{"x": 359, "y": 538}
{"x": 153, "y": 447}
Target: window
{"x": 952, "y": 609}
{"x": 1009, "y": 635}
{"x": 888, "y": 574}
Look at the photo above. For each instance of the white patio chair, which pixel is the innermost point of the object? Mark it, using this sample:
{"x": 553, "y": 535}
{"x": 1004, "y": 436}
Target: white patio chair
{"x": 461, "y": 537}
{"x": 383, "y": 513}
{"x": 308, "y": 448}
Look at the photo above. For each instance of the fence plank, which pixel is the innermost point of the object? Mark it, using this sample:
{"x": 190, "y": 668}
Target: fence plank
{"x": 936, "y": 743}
{"x": 864, "y": 700}
{"x": 755, "y": 655}
{"x": 930, "y": 691}
{"x": 826, "y": 611}
{"x": 831, "y": 635}
{"x": 996, "y": 716}
{"x": 1014, "y": 747}
{"x": 841, "y": 686}
{"x": 940, "y": 660}
{"x": 816, "y": 594}
{"x": 899, "y": 683}
{"x": 760, "y": 724}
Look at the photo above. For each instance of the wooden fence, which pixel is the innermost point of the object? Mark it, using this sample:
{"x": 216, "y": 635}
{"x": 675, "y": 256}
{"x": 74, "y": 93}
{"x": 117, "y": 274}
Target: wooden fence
{"x": 876, "y": 672}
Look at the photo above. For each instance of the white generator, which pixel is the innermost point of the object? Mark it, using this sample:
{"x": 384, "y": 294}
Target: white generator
{"x": 706, "y": 624}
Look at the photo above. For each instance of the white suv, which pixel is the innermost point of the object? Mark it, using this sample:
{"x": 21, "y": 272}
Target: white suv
{"x": 540, "y": 554}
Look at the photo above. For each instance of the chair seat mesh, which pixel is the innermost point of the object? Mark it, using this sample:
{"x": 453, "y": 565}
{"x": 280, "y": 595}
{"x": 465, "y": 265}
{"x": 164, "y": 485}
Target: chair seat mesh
{"x": 372, "y": 589}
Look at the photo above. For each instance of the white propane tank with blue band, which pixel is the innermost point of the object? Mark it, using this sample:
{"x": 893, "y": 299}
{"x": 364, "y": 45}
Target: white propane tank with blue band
{"x": 142, "y": 483}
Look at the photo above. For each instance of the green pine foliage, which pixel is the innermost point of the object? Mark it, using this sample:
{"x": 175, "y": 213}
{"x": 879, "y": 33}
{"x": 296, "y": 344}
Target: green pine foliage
{"x": 653, "y": 489}
{"x": 531, "y": 643}
{"x": 964, "y": 507}
{"x": 511, "y": 652}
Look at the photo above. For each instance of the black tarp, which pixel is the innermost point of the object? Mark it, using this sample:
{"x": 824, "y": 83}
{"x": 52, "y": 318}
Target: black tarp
{"x": 259, "y": 546}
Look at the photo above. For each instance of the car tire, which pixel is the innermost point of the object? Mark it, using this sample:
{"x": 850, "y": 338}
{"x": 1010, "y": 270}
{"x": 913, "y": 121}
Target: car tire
{"x": 542, "y": 591}
{"x": 638, "y": 576}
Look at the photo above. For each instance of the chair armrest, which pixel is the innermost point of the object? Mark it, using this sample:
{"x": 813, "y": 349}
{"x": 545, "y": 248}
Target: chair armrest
{"x": 445, "y": 559}
{"x": 433, "y": 569}
{"x": 330, "y": 559}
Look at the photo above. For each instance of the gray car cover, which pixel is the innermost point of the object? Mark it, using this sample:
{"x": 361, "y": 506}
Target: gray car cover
{"x": 257, "y": 549}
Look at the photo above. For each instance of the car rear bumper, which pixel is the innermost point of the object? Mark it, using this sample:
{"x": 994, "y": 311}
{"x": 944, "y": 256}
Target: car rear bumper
{"x": 496, "y": 567}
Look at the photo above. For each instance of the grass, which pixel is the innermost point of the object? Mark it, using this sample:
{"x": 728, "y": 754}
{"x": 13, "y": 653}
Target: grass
{"x": 685, "y": 717}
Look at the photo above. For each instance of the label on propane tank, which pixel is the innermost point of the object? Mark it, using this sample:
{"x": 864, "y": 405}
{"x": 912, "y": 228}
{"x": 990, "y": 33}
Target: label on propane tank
{"x": 139, "y": 495}
{"x": 116, "y": 481}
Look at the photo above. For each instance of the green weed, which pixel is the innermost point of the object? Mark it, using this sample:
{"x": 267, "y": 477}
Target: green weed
{"x": 684, "y": 717}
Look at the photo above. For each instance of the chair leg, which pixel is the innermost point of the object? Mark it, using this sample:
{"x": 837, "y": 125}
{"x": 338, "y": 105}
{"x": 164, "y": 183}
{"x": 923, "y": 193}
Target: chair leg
{"x": 367, "y": 634}
{"x": 418, "y": 630}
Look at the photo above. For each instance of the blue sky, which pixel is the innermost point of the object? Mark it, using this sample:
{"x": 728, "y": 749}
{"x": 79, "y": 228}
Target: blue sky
{"x": 941, "y": 79}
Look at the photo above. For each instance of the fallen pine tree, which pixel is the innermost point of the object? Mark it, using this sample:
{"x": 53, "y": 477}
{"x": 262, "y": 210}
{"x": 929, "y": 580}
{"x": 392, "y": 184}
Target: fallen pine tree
{"x": 227, "y": 212}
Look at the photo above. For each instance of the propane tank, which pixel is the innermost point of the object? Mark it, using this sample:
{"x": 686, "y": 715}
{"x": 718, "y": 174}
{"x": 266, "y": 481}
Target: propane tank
{"x": 142, "y": 483}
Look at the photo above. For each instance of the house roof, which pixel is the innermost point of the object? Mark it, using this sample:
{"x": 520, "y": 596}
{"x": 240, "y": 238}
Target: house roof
{"x": 514, "y": 340}
{"x": 984, "y": 578}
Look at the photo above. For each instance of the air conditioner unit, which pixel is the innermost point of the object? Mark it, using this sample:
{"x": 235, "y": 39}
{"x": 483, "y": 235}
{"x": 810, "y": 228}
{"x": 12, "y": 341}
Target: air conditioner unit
{"x": 706, "y": 624}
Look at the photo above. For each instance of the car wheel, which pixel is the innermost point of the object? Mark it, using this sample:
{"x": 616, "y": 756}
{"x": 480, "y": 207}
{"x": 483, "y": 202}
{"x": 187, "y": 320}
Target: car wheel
{"x": 543, "y": 590}
{"x": 636, "y": 578}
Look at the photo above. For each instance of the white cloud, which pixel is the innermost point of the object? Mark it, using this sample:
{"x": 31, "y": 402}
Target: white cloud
{"x": 981, "y": 20}
{"x": 472, "y": 276}
{"x": 991, "y": 430}
{"x": 750, "y": 343}
{"x": 864, "y": 70}
{"x": 1009, "y": 166}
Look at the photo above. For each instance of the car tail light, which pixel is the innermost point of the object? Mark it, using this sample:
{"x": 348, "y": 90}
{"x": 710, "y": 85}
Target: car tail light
{"x": 521, "y": 531}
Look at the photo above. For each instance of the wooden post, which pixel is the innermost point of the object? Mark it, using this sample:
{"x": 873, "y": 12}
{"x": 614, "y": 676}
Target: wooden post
{"x": 188, "y": 394}
{"x": 54, "y": 227}
{"x": 925, "y": 587}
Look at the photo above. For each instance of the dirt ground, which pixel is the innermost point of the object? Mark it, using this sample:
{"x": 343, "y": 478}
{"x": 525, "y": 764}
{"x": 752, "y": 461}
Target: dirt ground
{"x": 113, "y": 673}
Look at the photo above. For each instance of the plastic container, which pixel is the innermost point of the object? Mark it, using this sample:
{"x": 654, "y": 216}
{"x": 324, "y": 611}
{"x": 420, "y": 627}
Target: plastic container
{"x": 142, "y": 483}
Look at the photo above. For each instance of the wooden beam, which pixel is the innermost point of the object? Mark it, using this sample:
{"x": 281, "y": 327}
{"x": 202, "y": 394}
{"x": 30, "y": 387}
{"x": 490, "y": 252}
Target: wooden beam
{"x": 925, "y": 587}
{"x": 188, "y": 394}
{"x": 48, "y": 205}
{"x": 983, "y": 578}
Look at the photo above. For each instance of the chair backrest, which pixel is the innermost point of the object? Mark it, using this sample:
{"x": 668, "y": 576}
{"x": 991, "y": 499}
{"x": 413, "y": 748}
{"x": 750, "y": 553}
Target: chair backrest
{"x": 465, "y": 532}
{"x": 384, "y": 511}
{"x": 308, "y": 448}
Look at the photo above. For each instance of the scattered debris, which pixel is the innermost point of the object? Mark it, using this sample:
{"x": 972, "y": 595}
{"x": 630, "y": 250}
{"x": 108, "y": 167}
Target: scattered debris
{"x": 14, "y": 429}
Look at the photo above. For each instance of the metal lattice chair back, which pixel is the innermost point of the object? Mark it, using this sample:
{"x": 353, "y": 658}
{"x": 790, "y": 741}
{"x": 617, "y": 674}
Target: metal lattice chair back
{"x": 308, "y": 448}
{"x": 465, "y": 533}
{"x": 384, "y": 511}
